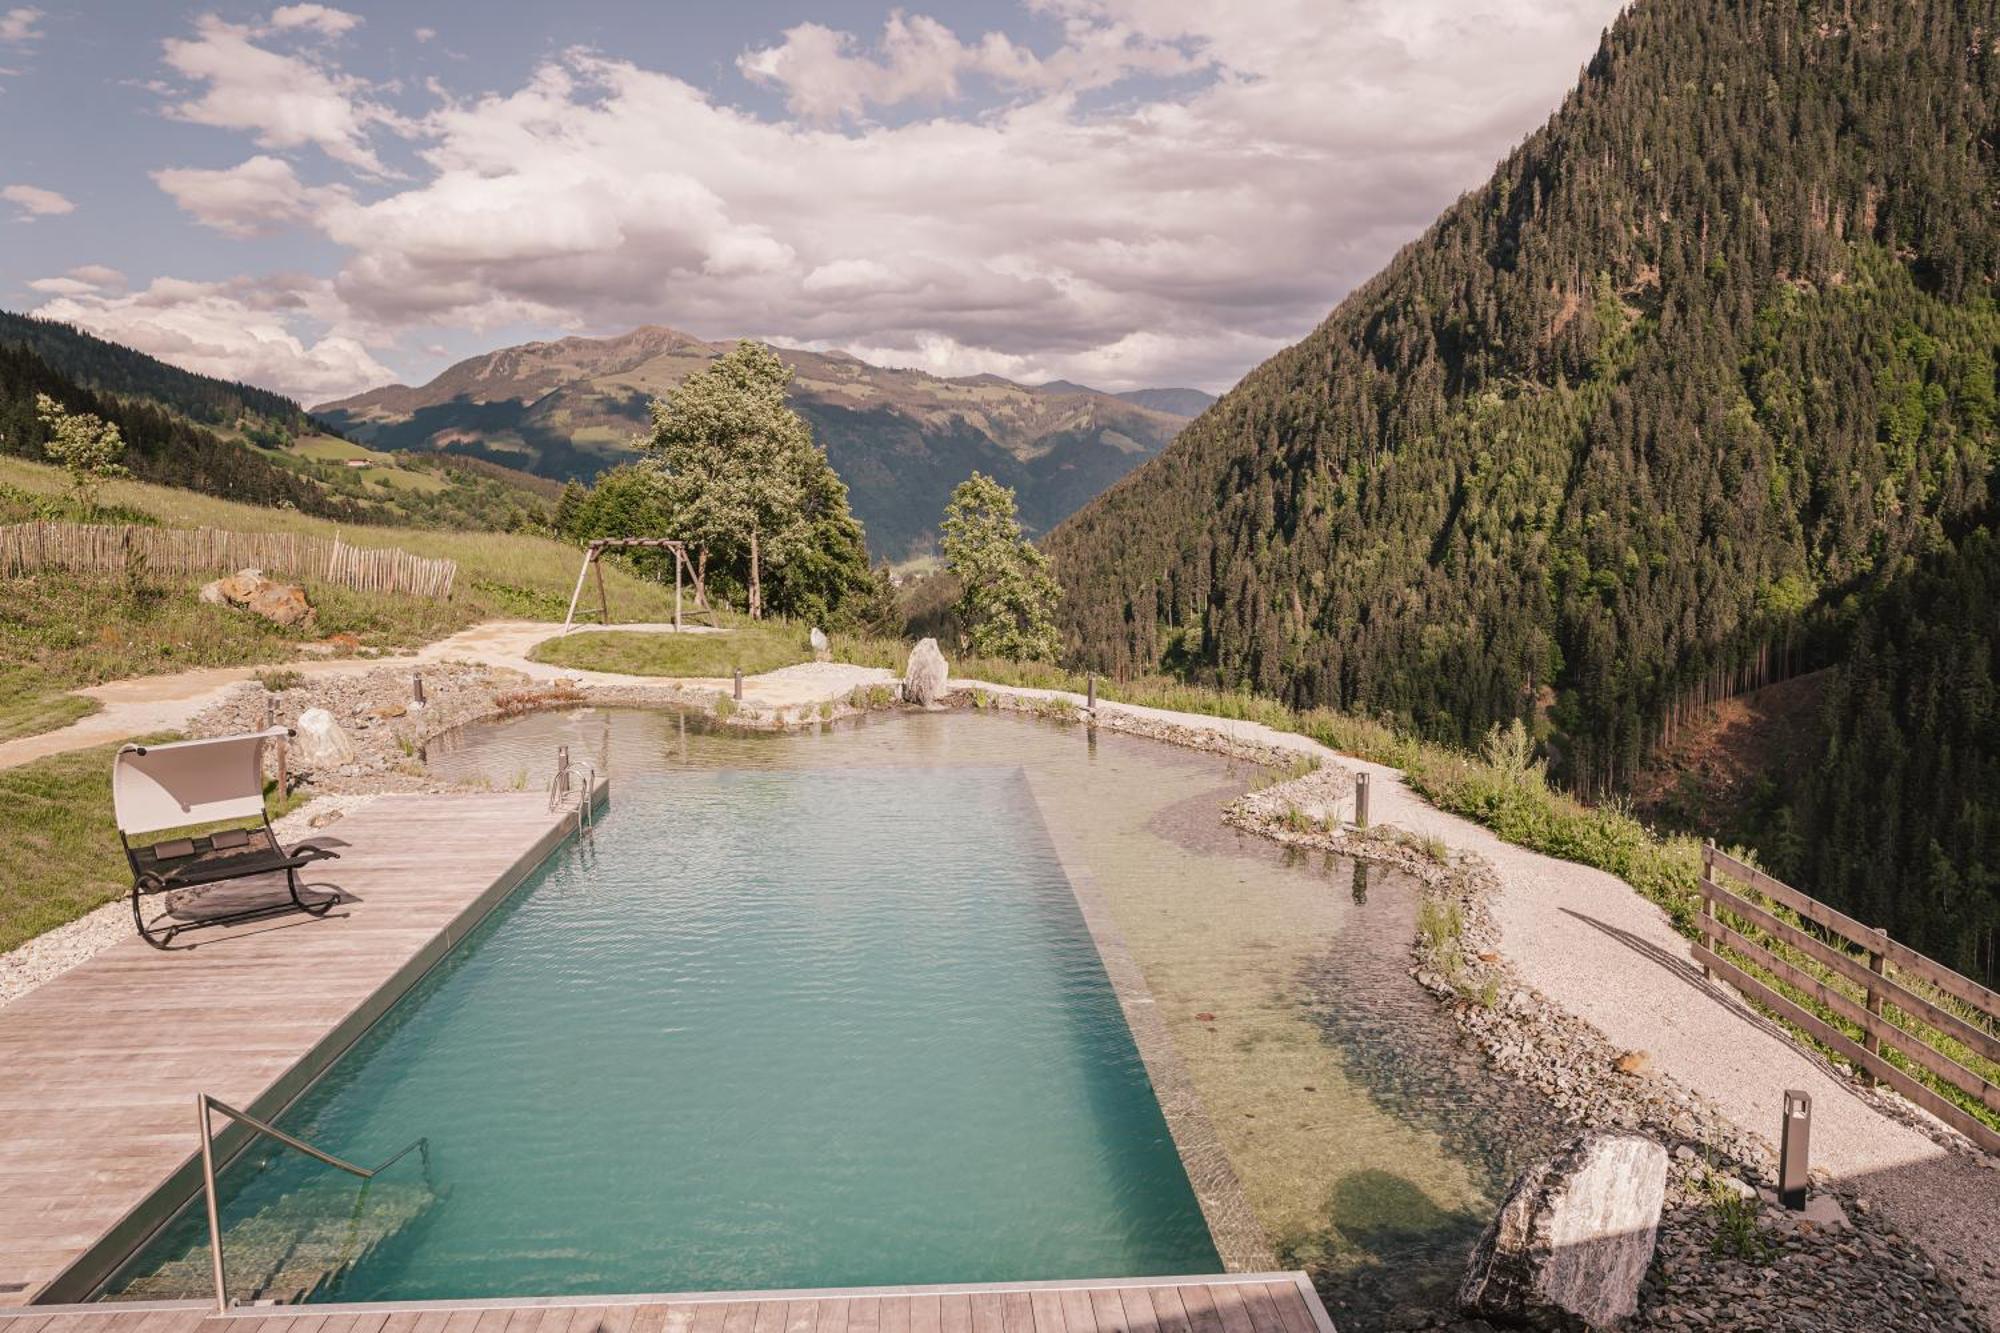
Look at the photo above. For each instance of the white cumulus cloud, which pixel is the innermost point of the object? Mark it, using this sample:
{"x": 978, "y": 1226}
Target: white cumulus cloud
{"x": 20, "y": 25}
{"x": 282, "y": 99}
{"x": 260, "y": 333}
{"x": 33, "y": 202}
{"x": 260, "y": 195}
{"x": 1167, "y": 192}
{"x": 322, "y": 19}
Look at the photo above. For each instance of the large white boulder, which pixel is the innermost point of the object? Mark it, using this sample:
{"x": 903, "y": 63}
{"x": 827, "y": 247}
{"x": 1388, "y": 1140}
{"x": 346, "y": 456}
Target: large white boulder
{"x": 320, "y": 744}
{"x": 924, "y": 678}
{"x": 1574, "y": 1238}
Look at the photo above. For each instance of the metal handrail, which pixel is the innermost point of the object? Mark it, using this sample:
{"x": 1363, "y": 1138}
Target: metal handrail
{"x": 560, "y": 789}
{"x": 204, "y": 1105}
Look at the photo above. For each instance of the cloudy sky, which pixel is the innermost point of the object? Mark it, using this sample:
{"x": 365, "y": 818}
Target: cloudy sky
{"x": 1120, "y": 192}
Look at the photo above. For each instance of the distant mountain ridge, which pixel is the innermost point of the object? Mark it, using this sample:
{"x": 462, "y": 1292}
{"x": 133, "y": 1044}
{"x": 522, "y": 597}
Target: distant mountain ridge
{"x": 201, "y": 433}
{"x": 900, "y": 439}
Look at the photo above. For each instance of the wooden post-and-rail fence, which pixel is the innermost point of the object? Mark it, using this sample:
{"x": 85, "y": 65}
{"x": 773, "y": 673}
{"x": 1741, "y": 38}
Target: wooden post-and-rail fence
{"x": 28, "y": 548}
{"x": 1740, "y": 924}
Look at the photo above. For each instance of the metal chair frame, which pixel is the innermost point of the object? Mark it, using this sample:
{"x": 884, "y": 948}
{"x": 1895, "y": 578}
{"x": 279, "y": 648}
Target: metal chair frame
{"x": 158, "y": 877}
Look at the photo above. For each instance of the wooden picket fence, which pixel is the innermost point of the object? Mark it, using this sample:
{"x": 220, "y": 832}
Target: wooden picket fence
{"x": 1740, "y": 924}
{"x": 27, "y": 548}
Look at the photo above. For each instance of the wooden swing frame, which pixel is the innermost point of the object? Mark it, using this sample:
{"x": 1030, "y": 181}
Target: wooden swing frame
{"x": 593, "y": 555}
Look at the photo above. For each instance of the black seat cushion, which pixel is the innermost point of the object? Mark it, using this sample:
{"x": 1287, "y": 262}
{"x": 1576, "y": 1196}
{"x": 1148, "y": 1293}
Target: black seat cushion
{"x": 226, "y": 854}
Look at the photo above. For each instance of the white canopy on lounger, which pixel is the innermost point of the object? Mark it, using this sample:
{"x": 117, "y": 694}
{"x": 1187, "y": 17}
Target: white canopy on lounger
{"x": 157, "y": 787}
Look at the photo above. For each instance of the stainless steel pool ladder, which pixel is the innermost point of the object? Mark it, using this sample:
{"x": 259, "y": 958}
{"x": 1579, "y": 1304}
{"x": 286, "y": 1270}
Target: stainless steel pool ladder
{"x": 204, "y": 1105}
{"x": 560, "y": 785}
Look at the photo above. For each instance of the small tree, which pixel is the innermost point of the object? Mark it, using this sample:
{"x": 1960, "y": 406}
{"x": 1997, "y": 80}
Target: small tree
{"x": 734, "y": 458}
{"x": 86, "y": 445}
{"x": 1008, "y": 602}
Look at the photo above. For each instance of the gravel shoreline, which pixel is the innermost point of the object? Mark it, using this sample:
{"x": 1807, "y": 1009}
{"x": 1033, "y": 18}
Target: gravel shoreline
{"x": 1712, "y": 1268}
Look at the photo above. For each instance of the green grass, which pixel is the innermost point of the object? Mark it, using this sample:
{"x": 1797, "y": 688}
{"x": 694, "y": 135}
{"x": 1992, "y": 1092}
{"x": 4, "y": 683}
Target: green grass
{"x": 33, "y": 701}
{"x": 77, "y": 629}
{"x": 756, "y": 646}
{"x": 523, "y": 564}
{"x": 59, "y": 851}
{"x": 60, "y": 630}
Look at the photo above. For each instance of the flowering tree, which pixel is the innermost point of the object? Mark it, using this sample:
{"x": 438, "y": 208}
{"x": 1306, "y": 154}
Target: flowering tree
{"x": 85, "y": 445}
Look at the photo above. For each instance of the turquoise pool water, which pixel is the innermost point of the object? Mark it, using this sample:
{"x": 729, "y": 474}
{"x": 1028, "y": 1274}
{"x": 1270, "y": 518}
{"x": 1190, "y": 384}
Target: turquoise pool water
{"x": 776, "y": 1027}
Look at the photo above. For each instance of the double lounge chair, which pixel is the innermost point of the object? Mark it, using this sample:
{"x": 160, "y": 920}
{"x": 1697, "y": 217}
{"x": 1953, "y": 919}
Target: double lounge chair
{"x": 190, "y": 784}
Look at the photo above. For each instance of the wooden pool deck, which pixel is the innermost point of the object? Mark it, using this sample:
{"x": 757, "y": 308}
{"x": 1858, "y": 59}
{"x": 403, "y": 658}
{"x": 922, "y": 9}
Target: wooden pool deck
{"x": 1236, "y": 1303}
{"x": 102, "y": 1064}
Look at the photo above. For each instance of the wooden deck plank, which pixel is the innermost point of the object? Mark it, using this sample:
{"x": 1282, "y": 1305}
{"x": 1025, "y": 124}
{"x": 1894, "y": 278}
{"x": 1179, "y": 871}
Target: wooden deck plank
{"x": 895, "y": 1315}
{"x": 770, "y": 1318}
{"x": 1139, "y": 1314}
{"x": 1017, "y": 1312}
{"x": 1263, "y": 1303}
{"x": 1167, "y": 1307}
{"x": 1264, "y": 1316}
{"x": 1198, "y": 1302}
{"x": 989, "y": 1315}
{"x": 1231, "y": 1308}
{"x": 94, "y": 1115}
{"x": 955, "y": 1312}
{"x": 649, "y": 1318}
{"x": 1109, "y": 1309}
{"x": 1048, "y": 1313}
{"x": 1290, "y": 1304}
{"x": 864, "y": 1315}
{"x": 617, "y": 1319}
{"x": 463, "y": 1321}
{"x": 1079, "y": 1312}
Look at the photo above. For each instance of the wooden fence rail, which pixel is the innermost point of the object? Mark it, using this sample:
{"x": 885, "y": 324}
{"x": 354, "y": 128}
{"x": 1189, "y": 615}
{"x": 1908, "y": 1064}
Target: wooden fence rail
{"x": 1733, "y": 919}
{"x": 27, "y": 548}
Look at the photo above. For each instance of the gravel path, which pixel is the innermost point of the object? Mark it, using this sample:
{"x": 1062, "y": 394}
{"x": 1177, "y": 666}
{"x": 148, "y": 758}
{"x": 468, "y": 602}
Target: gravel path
{"x": 1599, "y": 951}
{"x": 149, "y": 704}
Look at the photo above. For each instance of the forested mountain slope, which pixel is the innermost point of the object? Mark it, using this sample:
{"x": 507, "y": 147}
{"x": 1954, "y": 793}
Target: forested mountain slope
{"x": 242, "y": 443}
{"x": 161, "y": 444}
{"x": 1697, "y": 379}
{"x": 108, "y": 367}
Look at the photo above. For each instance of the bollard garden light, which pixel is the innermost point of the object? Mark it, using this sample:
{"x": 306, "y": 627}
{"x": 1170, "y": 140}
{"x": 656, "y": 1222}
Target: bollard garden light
{"x": 1794, "y": 1144}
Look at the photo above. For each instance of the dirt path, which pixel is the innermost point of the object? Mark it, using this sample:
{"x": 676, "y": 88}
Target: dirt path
{"x": 147, "y": 704}
{"x": 1591, "y": 944}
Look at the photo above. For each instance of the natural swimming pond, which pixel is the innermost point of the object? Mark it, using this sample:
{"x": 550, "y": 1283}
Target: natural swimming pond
{"x": 821, "y": 1010}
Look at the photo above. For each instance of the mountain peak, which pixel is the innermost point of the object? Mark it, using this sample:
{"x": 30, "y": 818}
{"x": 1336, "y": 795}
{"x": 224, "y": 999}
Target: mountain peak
{"x": 570, "y": 407}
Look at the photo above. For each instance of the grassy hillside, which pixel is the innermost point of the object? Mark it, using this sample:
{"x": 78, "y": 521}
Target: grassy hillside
{"x": 499, "y": 573}
{"x": 231, "y": 440}
{"x": 60, "y": 630}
